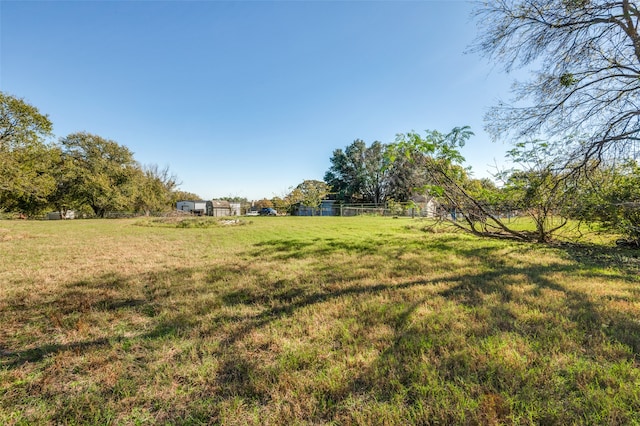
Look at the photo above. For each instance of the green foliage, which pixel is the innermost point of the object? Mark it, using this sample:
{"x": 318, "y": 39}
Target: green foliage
{"x": 21, "y": 124}
{"x": 84, "y": 171}
{"x": 438, "y": 146}
{"x": 612, "y": 197}
{"x": 476, "y": 206}
{"x": 572, "y": 5}
{"x": 539, "y": 187}
{"x": 281, "y": 204}
{"x": 487, "y": 193}
{"x": 362, "y": 174}
{"x": 25, "y": 158}
{"x": 103, "y": 173}
{"x": 310, "y": 193}
{"x": 178, "y": 195}
{"x": 263, "y": 203}
{"x": 568, "y": 80}
{"x": 395, "y": 207}
{"x": 438, "y": 153}
{"x": 28, "y": 179}
{"x": 154, "y": 189}
{"x": 357, "y": 174}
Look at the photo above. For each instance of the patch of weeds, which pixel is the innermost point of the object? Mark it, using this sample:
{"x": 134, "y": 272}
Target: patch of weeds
{"x": 190, "y": 222}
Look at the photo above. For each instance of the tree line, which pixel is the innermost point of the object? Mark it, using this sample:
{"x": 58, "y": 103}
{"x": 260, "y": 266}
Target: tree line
{"x": 431, "y": 164}
{"x": 81, "y": 171}
{"x": 89, "y": 173}
{"x": 574, "y": 128}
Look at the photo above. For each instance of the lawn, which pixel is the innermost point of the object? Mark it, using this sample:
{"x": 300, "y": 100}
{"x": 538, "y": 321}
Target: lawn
{"x": 287, "y": 320}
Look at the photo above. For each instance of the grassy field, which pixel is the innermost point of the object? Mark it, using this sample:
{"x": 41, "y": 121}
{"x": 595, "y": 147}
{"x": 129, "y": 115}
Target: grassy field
{"x": 285, "y": 320}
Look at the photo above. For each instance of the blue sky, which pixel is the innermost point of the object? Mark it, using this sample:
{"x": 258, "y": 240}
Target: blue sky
{"x": 250, "y": 98}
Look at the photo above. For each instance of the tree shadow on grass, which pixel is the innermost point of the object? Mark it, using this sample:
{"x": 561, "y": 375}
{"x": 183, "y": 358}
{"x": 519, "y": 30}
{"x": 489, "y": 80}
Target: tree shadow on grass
{"x": 589, "y": 314}
{"x": 494, "y": 291}
{"x": 435, "y": 365}
{"x": 36, "y": 353}
{"x": 465, "y": 362}
{"x": 497, "y": 272}
{"x": 625, "y": 261}
{"x": 84, "y": 315}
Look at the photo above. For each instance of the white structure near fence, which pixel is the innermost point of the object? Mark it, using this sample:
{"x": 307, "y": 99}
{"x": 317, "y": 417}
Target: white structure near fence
{"x": 427, "y": 205}
{"x": 69, "y": 214}
{"x": 225, "y": 208}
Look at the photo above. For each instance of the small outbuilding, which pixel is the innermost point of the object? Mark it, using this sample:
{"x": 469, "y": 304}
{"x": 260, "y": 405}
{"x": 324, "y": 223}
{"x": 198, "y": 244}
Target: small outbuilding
{"x": 69, "y": 214}
{"x": 427, "y": 206}
{"x": 225, "y": 208}
{"x": 198, "y": 208}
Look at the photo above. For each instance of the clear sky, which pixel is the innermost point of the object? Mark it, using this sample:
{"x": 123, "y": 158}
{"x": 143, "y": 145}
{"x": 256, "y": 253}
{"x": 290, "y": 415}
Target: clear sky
{"x": 250, "y": 98}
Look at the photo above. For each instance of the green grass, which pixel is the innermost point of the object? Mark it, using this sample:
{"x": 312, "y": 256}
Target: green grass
{"x": 289, "y": 320}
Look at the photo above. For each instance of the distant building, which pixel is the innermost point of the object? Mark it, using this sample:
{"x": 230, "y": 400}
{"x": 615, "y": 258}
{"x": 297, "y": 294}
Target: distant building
{"x": 198, "y": 208}
{"x": 225, "y": 208}
{"x": 427, "y": 205}
{"x": 69, "y": 214}
{"x": 236, "y": 209}
{"x": 217, "y": 208}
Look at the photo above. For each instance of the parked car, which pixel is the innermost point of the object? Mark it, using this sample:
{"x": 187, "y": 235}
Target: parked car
{"x": 266, "y": 211}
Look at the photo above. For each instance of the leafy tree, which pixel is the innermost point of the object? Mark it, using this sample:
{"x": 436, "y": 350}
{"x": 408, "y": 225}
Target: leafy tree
{"x": 359, "y": 173}
{"x": 346, "y": 174}
{"x": 611, "y": 196}
{"x": 310, "y": 193}
{"x": 280, "y": 204}
{"x": 235, "y": 199}
{"x": 284, "y": 204}
{"x": 588, "y": 82}
{"x": 448, "y": 181}
{"x": 488, "y": 194}
{"x": 263, "y": 203}
{"x": 287, "y": 203}
{"x": 178, "y": 195}
{"x": 84, "y": 170}
{"x": 25, "y": 157}
{"x": 362, "y": 174}
{"x": 28, "y": 175}
{"x": 375, "y": 185}
{"x": 154, "y": 189}
{"x": 21, "y": 124}
{"x": 103, "y": 174}
{"x": 63, "y": 197}
{"x": 406, "y": 175}
{"x": 538, "y": 189}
